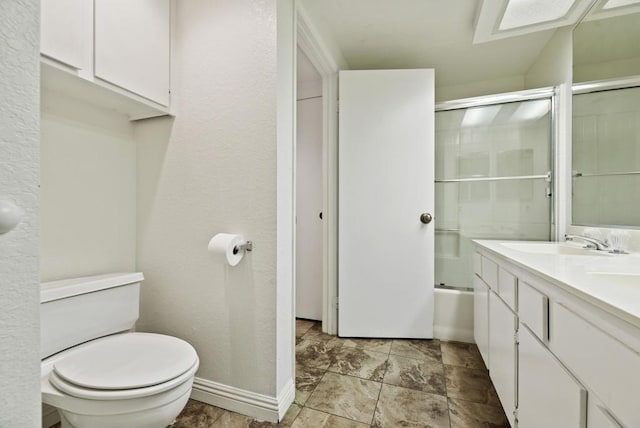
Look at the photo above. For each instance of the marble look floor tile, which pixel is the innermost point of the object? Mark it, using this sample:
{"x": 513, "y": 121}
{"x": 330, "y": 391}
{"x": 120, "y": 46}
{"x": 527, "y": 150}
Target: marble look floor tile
{"x": 465, "y": 414}
{"x": 313, "y": 353}
{"x": 307, "y": 378}
{"x": 198, "y": 415}
{"x": 346, "y": 396}
{"x": 315, "y": 333}
{"x": 462, "y": 354}
{"x": 302, "y": 326}
{"x": 291, "y": 415}
{"x": 415, "y": 374}
{"x": 377, "y": 345}
{"x": 286, "y": 422}
{"x": 233, "y": 420}
{"x": 360, "y": 363}
{"x": 402, "y": 407}
{"x": 428, "y": 350}
{"x": 309, "y": 418}
{"x": 471, "y": 385}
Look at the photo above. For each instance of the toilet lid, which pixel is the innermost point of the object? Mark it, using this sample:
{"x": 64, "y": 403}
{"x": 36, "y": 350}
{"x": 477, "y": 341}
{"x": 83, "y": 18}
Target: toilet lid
{"x": 127, "y": 361}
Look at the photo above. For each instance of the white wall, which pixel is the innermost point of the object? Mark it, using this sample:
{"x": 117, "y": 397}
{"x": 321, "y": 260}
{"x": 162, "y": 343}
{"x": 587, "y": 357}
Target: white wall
{"x": 221, "y": 167}
{"x": 552, "y": 67}
{"x": 88, "y": 193}
{"x": 478, "y": 88}
{"x": 554, "y": 64}
{"x": 19, "y": 177}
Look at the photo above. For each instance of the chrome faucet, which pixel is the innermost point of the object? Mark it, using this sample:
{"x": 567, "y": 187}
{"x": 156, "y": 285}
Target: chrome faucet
{"x": 592, "y": 243}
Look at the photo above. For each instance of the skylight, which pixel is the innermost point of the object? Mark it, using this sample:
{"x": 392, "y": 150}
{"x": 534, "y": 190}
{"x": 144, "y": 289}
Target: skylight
{"x": 521, "y": 13}
{"x": 619, "y": 3}
{"x": 499, "y": 19}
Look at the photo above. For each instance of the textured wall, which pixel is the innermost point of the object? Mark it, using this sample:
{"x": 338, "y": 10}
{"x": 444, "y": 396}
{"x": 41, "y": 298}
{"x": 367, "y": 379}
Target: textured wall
{"x": 88, "y": 204}
{"x": 19, "y": 176}
{"x": 213, "y": 169}
{"x": 88, "y": 191}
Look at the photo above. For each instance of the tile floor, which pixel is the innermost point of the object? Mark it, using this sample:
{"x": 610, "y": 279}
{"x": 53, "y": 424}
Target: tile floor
{"x": 359, "y": 383}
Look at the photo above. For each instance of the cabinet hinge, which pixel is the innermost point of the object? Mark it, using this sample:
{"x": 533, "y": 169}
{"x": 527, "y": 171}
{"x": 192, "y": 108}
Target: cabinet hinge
{"x": 516, "y": 338}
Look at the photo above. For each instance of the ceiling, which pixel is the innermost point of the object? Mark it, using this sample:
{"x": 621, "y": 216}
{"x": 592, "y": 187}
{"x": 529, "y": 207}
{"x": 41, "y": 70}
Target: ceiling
{"x": 378, "y": 34}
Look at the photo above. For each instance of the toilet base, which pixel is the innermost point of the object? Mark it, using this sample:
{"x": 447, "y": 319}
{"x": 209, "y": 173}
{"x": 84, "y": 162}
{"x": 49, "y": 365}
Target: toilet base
{"x": 160, "y": 417}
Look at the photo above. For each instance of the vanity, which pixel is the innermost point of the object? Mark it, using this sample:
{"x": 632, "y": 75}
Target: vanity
{"x": 558, "y": 326}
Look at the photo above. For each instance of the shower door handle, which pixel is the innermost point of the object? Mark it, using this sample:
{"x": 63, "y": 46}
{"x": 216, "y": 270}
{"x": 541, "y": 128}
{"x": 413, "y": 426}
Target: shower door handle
{"x": 426, "y": 218}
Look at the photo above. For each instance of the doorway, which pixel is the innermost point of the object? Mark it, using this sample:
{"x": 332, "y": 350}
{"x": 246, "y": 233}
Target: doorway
{"x": 309, "y": 191}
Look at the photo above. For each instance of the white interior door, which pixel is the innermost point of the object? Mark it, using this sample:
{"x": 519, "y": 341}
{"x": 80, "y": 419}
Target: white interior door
{"x": 308, "y": 208}
{"x": 386, "y": 160}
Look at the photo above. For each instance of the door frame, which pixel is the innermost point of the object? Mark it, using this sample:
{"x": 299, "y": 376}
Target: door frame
{"x": 311, "y": 43}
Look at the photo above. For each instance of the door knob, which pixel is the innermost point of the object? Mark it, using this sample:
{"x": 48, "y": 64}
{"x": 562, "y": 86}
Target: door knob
{"x": 10, "y": 216}
{"x": 426, "y": 218}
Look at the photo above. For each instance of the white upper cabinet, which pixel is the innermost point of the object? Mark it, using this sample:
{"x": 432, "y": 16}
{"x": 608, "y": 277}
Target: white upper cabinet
{"x": 132, "y": 40}
{"x": 66, "y": 32}
{"x": 110, "y": 53}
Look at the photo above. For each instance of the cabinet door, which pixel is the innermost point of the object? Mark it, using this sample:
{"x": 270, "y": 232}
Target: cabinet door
{"x": 548, "y": 396}
{"x": 66, "y": 31}
{"x": 481, "y": 317}
{"x": 132, "y": 40}
{"x": 502, "y": 348}
{"x": 599, "y": 417}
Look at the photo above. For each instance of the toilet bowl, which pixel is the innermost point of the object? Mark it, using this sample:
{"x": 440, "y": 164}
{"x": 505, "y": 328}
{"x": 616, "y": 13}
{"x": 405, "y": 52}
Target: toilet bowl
{"x": 121, "y": 379}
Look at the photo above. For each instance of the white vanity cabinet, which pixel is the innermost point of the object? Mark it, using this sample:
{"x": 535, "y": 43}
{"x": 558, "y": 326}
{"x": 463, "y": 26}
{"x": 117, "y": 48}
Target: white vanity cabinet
{"x": 495, "y": 326}
{"x": 481, "y": 317}
{"x": 549, "y": 396}
{"x": 609, "y": 366}
{"x": 572, "y": 363}
{"x": 599, "y": 417}
{"x": 502, "y": 351}
{"x": 113, "y": 53}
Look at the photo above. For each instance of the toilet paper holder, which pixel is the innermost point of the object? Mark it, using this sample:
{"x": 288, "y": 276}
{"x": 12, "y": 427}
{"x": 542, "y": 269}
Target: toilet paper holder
{"x": 245, "y": 246}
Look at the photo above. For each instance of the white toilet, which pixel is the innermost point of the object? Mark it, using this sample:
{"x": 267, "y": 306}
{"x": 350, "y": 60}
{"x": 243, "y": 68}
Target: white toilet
{"x": 95, "y": 370}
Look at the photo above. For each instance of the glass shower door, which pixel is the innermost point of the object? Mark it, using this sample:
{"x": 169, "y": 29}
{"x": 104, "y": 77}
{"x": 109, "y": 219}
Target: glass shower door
{"x": 492, "y": 174}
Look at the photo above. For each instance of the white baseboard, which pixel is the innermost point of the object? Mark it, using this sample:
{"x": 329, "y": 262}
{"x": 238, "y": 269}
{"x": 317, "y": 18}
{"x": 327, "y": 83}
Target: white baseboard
{"x": 285, "y": 398}
{"x": 258, "y": 406}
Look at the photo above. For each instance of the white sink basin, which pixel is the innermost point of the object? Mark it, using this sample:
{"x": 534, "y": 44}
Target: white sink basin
{"x": 553, "y": 248}
{"x": 626, "y": 279}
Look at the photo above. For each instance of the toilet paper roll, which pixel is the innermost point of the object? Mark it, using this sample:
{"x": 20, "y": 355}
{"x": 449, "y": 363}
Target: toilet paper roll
{"x": 221, "y": 248}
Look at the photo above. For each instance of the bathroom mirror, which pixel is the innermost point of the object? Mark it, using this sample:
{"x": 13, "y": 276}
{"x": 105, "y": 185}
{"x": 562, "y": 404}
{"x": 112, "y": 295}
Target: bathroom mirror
{"x": 606, "y": 116}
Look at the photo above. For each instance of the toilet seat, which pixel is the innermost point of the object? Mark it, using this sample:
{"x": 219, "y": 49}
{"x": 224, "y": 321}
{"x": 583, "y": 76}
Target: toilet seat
{"x": 126, "y": 366}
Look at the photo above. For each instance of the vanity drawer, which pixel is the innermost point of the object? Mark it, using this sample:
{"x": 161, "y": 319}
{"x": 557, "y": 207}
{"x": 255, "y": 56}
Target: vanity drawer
{"x": 607, "y": 366}
{"x": 533, "y": 310}
{"x": 507, "y": 286}
{"x": 490, "y": 272}
{"x": 477, "y": 264}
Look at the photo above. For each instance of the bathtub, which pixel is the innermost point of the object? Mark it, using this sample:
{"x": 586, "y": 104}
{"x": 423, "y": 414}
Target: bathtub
{"x": 453, "y": 315}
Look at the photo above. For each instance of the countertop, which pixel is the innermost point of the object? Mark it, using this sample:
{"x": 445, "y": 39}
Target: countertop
{"x": 615, "y": 294}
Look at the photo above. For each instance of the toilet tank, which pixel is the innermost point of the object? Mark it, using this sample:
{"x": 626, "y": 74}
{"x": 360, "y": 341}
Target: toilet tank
{"x": 74, "y": 311}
